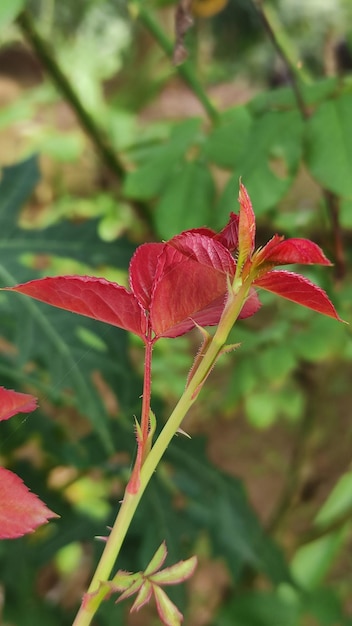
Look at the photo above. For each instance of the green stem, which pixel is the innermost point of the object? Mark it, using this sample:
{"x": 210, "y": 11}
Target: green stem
{"x": 186, "y": 70}
{"x": 131, "y": 501}
{"x": 285, "y": 50}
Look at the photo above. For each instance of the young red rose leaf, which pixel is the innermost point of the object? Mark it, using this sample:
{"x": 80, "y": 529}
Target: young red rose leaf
{"x": 12, "y": 402}
{"x": 283, "y": 252}
{"x": 207, "y": 251}
{"x": 246, "y": 227}
{"x": 123, "y": 580}
{"x": 142, "y": 271}
{"x": 143, "y": 597}
{"x": 228, "y": 236}
{"x": 191, "y": 276}
{"x": 297, "y": 289}
{"x": 177, "y": 573}
{"x": 168, "y": 612}
{"x": 21, "y": 511}
{"x": 134, "y": 587}
{"x": 157, "y": 560}
{"x": 94, "y": 297}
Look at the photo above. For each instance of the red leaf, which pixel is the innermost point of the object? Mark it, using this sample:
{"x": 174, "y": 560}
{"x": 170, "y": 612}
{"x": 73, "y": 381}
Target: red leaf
{"x": 190, "y": 285}
{"x": 94, "y": 297}
{"x": 142, "y": 271}
{"x": 246, "y": 227}
{"x": 302, "y": 251}
{"x": 297, "y": 289}
{"x": 21, "y": 511}
{"x": 205, "y": 250}
{"x": 228, "y": 236}
{"x": 12, "y": 402}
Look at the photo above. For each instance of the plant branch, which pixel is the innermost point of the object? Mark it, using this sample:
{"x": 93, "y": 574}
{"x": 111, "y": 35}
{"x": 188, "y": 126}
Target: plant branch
{"x": 319, "y": 532}
{"x": 333, "y": 205}
{"x": 49, "y": 62}
{"x": 185, "y": 70}
{"x": 97, "y": 590}
{"x": 290, "y": 60}
{"x": 284, "y": 49}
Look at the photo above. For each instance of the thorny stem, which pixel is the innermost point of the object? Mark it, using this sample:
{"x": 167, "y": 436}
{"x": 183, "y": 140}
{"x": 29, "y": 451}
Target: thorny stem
{"x": 146, "y": 390}
{"x": 142, "y": 439}
{"x": 281, "y": 45}
{"x": 130, "y": 502}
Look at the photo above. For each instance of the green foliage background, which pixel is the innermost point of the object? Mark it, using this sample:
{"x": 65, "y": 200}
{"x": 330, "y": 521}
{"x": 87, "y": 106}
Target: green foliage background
{"x": 148, "y": 174}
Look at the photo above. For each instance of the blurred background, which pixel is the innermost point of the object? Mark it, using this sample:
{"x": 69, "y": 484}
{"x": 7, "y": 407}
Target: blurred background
{"x": 105, "y": 143}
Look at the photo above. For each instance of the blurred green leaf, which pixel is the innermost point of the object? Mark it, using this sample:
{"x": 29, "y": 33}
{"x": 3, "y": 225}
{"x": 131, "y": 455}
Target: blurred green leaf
{"x": 39, "y": 331}
{"x": 161, "y": 162}
{"x": 64, "y": 147}
{"x": 261, "y": 408}
{"x": 259, "y": 608}
{"x": 268, "y": 162}
{"x": 226, "y": 142}
{"x": 325, "y": 606}
{"x": 338, "y": 502}
{"x": 276, "y": 362}
{"x": 9, "y": 9}
{"x": 321, "y": 339}
{"x": 284, "y": 97}
{"x": 311, "y": 562}
{"x": 218, "y": 503}
{"x": 187, "y": 200}
{"x": 346, "y": 213}
{"x": 329, "y": 145}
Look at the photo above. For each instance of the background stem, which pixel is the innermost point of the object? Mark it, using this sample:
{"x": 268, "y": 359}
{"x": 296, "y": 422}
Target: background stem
{"x": 185, "y": 70}
{"x": 96, "y": 134}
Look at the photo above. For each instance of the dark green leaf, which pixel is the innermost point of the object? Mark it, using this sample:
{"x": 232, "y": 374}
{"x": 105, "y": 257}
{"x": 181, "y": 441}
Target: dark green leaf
{"x": 268, "y": 162}
{"x": 149, "y": 179}
{"x": 259, "y": 609}
{"x": 227, "y": 141}
{"x": 186, "y": 201}
{"x": 329, "y": 145}
{"x": 217, "y": 502}
{"x": 55, "y": 339}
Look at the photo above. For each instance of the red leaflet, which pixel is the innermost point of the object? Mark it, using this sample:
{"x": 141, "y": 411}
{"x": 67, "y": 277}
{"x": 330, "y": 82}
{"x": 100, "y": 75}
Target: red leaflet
{"x": 228, "y": 236}
{"x": 12, "y": 402}
{"x": 297, "y": 289}
{"x": 94, "y": 297}
{"x": 191, "y": 275}
{"x": 21, "y": 511}
{"x": 280, "y": 252}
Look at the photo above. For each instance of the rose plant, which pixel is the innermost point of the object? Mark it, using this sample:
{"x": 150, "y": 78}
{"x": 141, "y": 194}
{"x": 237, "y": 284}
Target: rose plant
{"x": 198, "y": 278}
